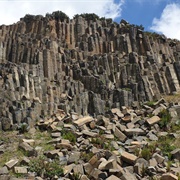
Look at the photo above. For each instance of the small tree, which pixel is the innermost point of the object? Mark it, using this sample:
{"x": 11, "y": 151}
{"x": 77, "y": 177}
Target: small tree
{"x": 59, "y": 15}
{"x": 89, "y": 16}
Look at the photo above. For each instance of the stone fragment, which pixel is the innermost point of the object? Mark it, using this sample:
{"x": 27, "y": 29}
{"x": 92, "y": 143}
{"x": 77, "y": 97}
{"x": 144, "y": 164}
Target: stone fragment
{"x": 89, "y": 133}
{"x": 158, "y": 158}
{"x": 25, "y": 161}
{"x": 106, "y": 165}
{"x": 20, "y": 170}
{"x": 127, "y": 118}
{"x": 55, "y": 134}
{"x": 176, "y": 154}
{"x": 134, "y": 131}
{"x": 67, "y": 169}
{"x": 112, "y": 177}
{"x": 151, "y": 121}
{"x": 169, "y": 176}
{"x": 98, "y": 174}
{"x": 152, "y": 136}
{"x": 153, "y": 162}
{"x": 127, "y": 175}
{"x": 121, "y": 136}
{"x": 38, "y": 178}
{"x": 73, "y": 157}
{"x": 67, "y": 146}
{"x": 5, "y": 177}
{"x": 10, "y": 164}
{"x": 53, "y": 154}
{"x": 31, "y": 142}
{"x": 28, "y": 149}
{"x": 78, "y": 169}
{"x": 108, "y": 136}
{"x": 151, "y": 170}
{"x": 4, "y": 170}
{"x": 129, "y": 158}
{"x": 88, "y": 168}
{"x": 117, "y": 112}
{"x": 94, "y": 160}
{"x": 83, "y": 120}
{"x": 84, "y": 177}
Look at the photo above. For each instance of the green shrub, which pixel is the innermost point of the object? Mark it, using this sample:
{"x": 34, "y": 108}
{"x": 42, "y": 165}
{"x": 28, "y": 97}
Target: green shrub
{"x": 146, "y": 153}
{"x": 44, "y": 168}
{"x": 68, "y": 135}
{"x": 165, "y": 119}
{"x": 165, "y": 144}
{"x": 86, "y": 156}
{"x": 169, "y": 163}
{"x": 37, "y": 165}
{"x": 150, "y": 103}
{"x": 53, "y": 169}
{"x": 23, "y": 128}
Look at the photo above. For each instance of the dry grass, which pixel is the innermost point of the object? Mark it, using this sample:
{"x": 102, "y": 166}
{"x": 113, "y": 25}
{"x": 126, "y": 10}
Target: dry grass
{"x": 175, "y": 98}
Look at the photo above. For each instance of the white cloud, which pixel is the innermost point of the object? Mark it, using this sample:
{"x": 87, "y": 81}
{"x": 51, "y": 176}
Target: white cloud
{"x": 12, "y": 10}
{"x": 154, "y": 2}
{"x": 169, "y": 22}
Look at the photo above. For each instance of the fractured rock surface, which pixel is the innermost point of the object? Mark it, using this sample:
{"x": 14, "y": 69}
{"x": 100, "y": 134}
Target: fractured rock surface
{"x": 82, "y": 66}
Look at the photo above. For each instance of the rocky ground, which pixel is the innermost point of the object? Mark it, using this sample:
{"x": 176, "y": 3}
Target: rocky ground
{"x": 137, "y": 143}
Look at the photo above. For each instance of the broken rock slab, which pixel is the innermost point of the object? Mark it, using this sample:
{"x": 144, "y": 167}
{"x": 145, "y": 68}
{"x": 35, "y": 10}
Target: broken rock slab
{"x": 176, "y": 154}
{"x": 169, "y": 176}
{"x": 134, "y": 131}
{"x": 112, "y": 177}
{"x": 153, "y": 120}
{"x": 121, "y": 136}
{"x": 28, "y": 149}
{"x": 128, "y": 158}
{"x": 83, "y": 120}
{"x": 20, "y": 170}
{"x": 4, "y": 170}
{"x": 31, "y": 142}
{"x": 10, "y": 164}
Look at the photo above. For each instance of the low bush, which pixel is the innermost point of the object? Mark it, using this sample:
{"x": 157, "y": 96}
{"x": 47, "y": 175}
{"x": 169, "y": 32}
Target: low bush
{"x": 44, "y": 168}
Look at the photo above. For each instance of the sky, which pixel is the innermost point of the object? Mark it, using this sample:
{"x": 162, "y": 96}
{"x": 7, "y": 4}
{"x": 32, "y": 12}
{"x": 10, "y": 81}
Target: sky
{"x": 161, "y": 16}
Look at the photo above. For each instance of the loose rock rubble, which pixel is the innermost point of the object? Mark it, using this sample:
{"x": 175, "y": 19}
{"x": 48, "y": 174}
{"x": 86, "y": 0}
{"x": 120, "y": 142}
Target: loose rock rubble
{"x": 106, "y": 147}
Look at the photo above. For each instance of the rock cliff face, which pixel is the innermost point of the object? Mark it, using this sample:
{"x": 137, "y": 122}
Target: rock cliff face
{"x": 83, "y": 66}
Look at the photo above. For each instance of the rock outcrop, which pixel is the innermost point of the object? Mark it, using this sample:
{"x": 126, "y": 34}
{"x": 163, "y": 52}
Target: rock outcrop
{"x": 80, "y": 65}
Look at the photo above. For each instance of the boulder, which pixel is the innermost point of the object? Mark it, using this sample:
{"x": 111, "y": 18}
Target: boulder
{"x": 153, "y": 120}
{"x": 128, "y": 158}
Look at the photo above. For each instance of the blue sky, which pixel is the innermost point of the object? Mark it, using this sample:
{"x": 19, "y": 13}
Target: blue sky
{"x": 148, "y": 12}
{"x": 142, "y": 11}
{"x": 162, "y": 16}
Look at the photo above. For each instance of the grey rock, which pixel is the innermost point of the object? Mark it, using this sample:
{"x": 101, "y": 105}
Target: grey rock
{"x": 169, "y": 176}
{"x": 10, "y": 164}
{"x": 112, "y": 177}
{"x": 128, "y": 176}
{"x": 158, "y": 158}
{"x": 129, "y": 158}
{"x": 28, "y": 149}
{"x": 121, "y": 136}
{"x": 134, "y": 131}
{"x": 176, "y": 154}
{"x": 20, "y": 170}
{"x": 4, "y": 170}
{"x": 74, "y": 157}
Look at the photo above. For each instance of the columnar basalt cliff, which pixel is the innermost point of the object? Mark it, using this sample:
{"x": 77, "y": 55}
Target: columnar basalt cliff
{"x": 80, "y": 65}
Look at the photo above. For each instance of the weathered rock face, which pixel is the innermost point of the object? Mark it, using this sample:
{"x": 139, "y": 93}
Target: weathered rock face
{"x": 80, "y": 66}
